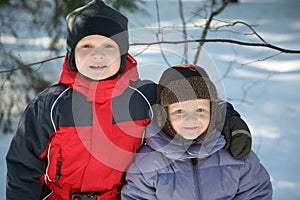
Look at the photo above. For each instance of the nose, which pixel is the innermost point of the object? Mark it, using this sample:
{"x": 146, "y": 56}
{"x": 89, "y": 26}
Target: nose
{"x": 97, "y": 53}
{"x": 191, "y": 118}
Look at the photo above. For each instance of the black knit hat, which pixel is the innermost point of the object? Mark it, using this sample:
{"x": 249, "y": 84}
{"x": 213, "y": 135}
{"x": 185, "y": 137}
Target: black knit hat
{"x": 97, "y": 18}
{"x": 182, "y": 83}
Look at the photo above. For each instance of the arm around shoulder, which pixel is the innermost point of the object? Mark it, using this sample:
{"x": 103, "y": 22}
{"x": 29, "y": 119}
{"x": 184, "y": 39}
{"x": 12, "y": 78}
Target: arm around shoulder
{"x": 140, "y": 180}
{"x": 236, "y": 132}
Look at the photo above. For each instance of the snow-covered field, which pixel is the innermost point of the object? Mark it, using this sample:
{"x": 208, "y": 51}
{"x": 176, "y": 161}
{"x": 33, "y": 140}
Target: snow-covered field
{"x": 270, "y": 87}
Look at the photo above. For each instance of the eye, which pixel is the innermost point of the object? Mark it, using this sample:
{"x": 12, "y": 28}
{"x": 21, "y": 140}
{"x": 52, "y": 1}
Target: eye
{"x": 86, "y": 46}
{"x": 179, "y": 111}
{"x": 109, "y": 46}
{"x": 200, "y": 110}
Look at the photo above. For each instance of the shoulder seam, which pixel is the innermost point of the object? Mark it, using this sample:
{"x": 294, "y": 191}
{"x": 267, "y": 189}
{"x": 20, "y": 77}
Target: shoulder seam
{"x": 52, "y": 107}
{"x": 147, "y": 101}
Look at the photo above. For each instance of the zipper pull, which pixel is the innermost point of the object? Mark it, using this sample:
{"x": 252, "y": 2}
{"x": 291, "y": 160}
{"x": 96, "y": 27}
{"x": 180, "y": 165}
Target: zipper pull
{"x": 194, "y": 161}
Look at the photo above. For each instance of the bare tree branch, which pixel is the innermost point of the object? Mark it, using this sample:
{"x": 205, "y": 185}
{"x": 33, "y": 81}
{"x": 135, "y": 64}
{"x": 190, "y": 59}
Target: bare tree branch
{"x": 184, "y": 32}
{"x": 206, "y": 28}
{"x": 267, "y": 45}
{"x": 29, "y": 65}
{"x": 244, "y": 23}
{"x": 160, "y": 33}
{"x": 259, "y": 60}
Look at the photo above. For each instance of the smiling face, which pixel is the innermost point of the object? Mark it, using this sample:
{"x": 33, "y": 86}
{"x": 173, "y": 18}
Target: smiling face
{"x": 97, "y": 57}
{"x": 190, "y": 118}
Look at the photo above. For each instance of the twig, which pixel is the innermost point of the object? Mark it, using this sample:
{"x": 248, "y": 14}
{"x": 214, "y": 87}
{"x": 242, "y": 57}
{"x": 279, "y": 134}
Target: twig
{"x": 31, "y": 64}
{"x": 244, "y": 23}
{"x": 158, "y": 33}
{"x": 184, "y": 32}
{"x": 206, "y": 28}
{"x": 267, "y": 45}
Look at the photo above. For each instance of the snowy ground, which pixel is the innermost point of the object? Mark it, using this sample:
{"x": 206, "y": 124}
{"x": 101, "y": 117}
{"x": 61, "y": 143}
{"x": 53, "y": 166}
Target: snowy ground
{"x": 271, "y": 87}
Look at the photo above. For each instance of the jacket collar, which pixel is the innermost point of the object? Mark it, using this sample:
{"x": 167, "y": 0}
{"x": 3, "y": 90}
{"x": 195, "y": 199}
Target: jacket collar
{"x": 182, "y": 149}
{"x": 99, "y": 90}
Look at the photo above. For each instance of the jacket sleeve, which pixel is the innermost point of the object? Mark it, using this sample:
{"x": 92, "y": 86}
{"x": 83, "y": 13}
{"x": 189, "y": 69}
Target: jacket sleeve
{"x": 236, "y": 132}
{"x": 139, "y": 185}
{"x": 254, "y": 181}
{"x": 228, "y": 109}
{"x": 25, "y": 166}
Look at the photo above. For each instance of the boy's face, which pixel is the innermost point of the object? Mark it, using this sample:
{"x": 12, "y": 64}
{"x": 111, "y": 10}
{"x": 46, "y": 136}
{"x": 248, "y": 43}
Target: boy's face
{"x": 190, "y": 118}
{"x": 97, "y": 57}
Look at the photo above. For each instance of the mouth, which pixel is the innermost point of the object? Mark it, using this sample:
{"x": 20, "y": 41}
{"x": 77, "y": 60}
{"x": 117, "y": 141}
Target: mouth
{"x": 191, "y": 128}
{"x": 98, "y": 67}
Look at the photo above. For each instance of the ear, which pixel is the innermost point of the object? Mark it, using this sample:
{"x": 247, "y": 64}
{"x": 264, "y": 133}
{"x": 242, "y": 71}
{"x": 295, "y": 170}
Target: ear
{"x": 160, "y": 115}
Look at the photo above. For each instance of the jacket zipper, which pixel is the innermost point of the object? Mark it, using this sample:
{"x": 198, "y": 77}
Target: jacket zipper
{"x": 196, "y": 177}
{"x": 58, "y": 168}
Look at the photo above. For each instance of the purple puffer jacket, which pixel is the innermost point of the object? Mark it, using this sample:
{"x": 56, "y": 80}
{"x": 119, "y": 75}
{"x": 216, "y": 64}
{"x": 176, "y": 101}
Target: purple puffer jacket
{"x": 167, "y": 169}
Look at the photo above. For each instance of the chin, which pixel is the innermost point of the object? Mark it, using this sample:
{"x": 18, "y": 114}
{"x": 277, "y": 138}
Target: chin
{"x": 98, "y": 78}
{"x": 190, "y": 137}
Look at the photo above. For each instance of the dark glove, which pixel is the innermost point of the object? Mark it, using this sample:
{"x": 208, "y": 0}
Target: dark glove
{"x": 238, "y": 137}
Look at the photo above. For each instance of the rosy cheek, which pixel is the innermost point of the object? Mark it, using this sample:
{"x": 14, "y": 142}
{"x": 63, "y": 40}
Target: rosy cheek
{"x": 114, "y": 59}
{"x": 79, "y": 61}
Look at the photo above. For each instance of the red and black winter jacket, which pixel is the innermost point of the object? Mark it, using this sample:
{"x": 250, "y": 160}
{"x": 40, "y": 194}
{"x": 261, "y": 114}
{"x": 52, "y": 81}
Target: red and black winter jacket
{"x": 79, "y": 136}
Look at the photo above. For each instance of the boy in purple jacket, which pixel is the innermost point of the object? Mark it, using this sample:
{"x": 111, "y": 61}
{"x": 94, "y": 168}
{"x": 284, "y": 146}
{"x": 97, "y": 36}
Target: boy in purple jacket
{"x": 184, "y": 156}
